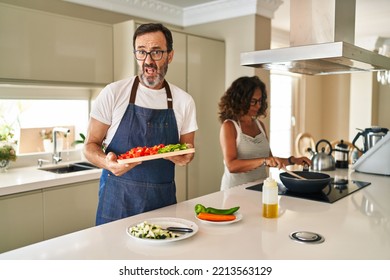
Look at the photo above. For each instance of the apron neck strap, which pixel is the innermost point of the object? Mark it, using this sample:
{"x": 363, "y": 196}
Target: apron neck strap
{"x": 135, "y": 87}
{"x": 134, "y": 90}
{"x": 169, "y": 94}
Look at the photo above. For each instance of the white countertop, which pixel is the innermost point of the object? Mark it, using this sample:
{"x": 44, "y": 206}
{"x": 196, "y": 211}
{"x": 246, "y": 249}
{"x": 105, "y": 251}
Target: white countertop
{"x": 355, "y": 227}
{"x": 17, "y": 180}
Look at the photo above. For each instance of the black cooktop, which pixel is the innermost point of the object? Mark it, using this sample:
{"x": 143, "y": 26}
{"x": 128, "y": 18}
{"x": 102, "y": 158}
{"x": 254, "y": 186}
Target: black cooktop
{"x": 330, "y": 194}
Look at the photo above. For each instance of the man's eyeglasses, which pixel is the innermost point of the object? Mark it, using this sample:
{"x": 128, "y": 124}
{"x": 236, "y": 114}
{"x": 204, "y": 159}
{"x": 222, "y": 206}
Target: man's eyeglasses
{"x": 255, "y": 101}
{"x": 155, "y": 55}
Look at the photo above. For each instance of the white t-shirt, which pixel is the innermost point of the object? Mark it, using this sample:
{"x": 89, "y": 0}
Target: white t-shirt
{"x": 111, "y": 104}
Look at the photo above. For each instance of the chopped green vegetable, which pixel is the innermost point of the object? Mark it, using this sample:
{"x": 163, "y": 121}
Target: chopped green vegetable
{"x": 151, "y": 231}
{"x": 199, "y": 208}
{"x": 172, "y": 148}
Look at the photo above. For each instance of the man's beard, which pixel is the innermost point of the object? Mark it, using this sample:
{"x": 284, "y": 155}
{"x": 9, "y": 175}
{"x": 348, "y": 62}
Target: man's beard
{"x": 152, "y": 82}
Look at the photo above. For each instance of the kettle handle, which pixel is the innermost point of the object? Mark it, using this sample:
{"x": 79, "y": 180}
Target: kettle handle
{"x": 327, "y": 142}
{"x": 355, "y": 139}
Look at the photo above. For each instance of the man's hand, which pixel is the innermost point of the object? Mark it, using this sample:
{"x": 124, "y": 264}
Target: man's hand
{"x": 116, "y": 168}
{"x": 182, "y": 160}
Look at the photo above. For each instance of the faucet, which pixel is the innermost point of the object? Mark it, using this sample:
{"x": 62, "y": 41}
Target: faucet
{"x": 57, "y": 155}
{"x": 41, "y": 161}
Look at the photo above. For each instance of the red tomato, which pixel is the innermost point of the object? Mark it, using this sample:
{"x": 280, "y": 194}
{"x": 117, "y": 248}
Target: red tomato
{"x": 141, "y": 151}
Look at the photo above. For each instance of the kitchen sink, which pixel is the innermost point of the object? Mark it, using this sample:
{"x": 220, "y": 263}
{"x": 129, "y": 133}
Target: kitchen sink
{"x": 70, "y": 168}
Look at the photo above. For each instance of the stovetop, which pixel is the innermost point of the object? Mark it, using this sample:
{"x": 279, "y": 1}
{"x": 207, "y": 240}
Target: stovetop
{"x": 330, "y": 194}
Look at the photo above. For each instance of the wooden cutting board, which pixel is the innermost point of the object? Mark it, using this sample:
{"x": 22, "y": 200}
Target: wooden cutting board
{"x": 157, "y": 156}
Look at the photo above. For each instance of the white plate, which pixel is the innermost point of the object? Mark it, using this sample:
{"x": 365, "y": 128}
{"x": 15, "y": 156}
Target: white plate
{"x": 157, "y": 156}
{"x": 164, "y": 223}
{"x": 238, "y": 218}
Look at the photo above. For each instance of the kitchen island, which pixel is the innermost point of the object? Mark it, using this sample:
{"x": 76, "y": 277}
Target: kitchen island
{"x": 356, "y": 227}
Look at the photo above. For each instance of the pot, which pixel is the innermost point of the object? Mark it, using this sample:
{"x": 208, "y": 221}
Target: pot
{"x": 315, "y": 182}
{"x": 322, "y": 161}
{"x": 371, "y": 136}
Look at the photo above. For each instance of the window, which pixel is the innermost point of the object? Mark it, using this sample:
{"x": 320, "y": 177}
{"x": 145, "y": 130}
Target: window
{"x": 281, "y": 104}
{"x": 34, "y": 111}
{"x": 34, "y": 120}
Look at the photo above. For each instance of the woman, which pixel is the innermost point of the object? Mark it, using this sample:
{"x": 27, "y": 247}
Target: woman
{"x": 243, "y": 139}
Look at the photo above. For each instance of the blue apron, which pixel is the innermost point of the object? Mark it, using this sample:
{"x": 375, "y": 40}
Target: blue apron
{"x": 151, "y": 184}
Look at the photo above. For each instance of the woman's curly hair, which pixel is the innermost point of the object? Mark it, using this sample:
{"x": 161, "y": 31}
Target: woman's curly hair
{"x": 236, "y": 100}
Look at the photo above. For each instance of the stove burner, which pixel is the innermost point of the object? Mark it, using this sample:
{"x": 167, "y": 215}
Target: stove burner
{"x": 330, "y": 194}
{"x": 340, "y": 182}
{"x": 340, "y": 186}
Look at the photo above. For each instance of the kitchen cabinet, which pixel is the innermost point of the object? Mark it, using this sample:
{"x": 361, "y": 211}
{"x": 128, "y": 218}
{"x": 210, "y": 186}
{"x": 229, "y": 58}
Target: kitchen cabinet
{"x": 21, "y": 220}
{"x": 46, "y": 47}
{"x": 177, "y": 75}
{"x": 124, "y": 61}
{"x": 69, "y": 208}
{"x": 34, "y": 216}
{"x": 206, "y": 83}
{"x": 194, "y": 68}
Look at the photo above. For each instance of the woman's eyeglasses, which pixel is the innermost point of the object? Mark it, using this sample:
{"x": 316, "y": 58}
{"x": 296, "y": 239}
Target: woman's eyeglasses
{"x": 255, "y": 101}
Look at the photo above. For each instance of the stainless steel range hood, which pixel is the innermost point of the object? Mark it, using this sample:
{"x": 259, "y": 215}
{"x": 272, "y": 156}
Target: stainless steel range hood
{"x": 322, "y": 42}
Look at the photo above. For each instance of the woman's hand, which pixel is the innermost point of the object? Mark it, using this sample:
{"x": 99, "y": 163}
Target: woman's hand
{"x": 301, "y": 161}
{"x": 275, "y": 162}
{"x": 282, "y": 162}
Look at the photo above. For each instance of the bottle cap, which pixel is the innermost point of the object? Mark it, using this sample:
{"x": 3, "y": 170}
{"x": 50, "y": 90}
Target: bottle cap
{"x": 270, "y": 181}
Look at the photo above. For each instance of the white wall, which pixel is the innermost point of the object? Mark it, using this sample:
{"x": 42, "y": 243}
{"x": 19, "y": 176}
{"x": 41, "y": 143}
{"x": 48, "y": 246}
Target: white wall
{"x": 361, "y": 102}
{"x": 384, "y": 106}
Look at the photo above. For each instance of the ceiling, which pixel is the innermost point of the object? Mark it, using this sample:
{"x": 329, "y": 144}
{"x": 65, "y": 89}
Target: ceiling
{"x": 372, "y": 16}
{"x": 372, "y": 20}
{"x": 186, "y": 3}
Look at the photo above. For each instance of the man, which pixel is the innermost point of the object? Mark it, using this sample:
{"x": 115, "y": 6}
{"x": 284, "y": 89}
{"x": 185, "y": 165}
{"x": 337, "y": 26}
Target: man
{"x": 140, "y": 111}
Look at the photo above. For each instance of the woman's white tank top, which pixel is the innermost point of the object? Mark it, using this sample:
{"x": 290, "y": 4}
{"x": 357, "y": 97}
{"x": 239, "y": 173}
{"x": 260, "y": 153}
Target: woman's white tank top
{"x": 247, "y": 147}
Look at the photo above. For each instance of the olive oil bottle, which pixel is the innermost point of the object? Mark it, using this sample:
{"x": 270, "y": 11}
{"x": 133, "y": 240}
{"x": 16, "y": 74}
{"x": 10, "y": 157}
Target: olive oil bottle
{"x": 270, "y": 198}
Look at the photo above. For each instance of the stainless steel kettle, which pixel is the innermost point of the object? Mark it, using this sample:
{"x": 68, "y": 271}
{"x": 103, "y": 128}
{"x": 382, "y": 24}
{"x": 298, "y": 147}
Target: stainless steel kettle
{"x": 322, "y": 161}
{"x": 371, "y": 136}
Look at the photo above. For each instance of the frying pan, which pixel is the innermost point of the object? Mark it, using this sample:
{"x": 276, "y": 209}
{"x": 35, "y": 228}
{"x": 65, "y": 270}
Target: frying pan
{"x": 315, "y": 182}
